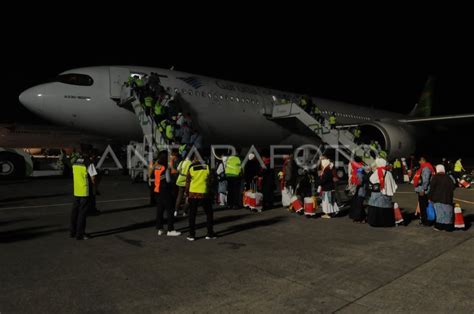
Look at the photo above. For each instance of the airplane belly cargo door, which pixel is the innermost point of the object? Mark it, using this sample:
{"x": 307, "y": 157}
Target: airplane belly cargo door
{"x": 118, "y": 76}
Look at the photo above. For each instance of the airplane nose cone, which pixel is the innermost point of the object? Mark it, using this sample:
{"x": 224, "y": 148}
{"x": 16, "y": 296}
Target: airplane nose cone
{"x": 32, "y": 99}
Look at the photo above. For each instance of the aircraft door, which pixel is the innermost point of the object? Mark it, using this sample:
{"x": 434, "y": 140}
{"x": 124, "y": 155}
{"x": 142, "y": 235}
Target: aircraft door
{"x": 118, "y": 76}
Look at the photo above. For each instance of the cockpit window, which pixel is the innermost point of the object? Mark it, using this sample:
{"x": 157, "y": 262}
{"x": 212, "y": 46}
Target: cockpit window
{"x": 75, "y": 79}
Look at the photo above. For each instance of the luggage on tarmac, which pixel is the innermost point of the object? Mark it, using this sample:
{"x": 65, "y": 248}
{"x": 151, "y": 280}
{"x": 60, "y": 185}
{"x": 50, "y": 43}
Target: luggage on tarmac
{"x": 310, "y": 205}
{"x": 296, "y": 204}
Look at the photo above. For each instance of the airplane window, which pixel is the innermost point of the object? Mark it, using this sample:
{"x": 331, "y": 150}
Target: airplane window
{"x": 237, "y": 99}
{"x": 253, "y": 101}
{"x": 221, "y": 97}
{"x": 248, "y": 101}
{"x": 75, "y": 79}
{"x": 210, "y": 95}
{"x": 231, "y": 98}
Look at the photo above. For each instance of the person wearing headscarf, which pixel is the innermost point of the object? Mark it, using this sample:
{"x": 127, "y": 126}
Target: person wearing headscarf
{"x": 268, "y": 184}
{"x": 383, "y": 186}
{"x": 441, "y": 195}
{"x": 359, "y": 180}
{"x": 421, "y": 181}
{"x": 327, "y": 188}
{"x": 251, "y": 170}
{"x": 222, "y": 182}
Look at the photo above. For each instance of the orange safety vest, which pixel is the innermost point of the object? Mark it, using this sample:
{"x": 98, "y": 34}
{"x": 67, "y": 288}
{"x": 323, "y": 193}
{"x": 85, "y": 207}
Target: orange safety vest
{"x": 159, "y": 175}
{"x": 173, "y": 169}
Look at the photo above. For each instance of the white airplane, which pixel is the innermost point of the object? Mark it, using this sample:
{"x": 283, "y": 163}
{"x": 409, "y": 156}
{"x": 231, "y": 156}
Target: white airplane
{"x": 225, "y": 112}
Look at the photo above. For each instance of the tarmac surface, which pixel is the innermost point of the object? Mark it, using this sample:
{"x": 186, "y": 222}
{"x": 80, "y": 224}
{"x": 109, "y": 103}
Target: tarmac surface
{"x": 270, "y": 262}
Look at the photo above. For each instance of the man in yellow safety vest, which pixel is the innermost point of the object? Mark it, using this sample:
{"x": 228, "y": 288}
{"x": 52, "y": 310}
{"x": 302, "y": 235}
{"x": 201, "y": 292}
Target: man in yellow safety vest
{"x": 198, "y": 192}
{"x": 81, "y": 199}
{"x": 233, "y": 176}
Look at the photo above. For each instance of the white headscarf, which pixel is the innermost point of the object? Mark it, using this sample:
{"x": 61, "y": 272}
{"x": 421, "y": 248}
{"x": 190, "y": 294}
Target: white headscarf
{"x": 440, "y": 169}
{"x": 380, "y": 162}
{"x": 325, "y": 163}
{"x": 251, "y": 156}
{"x": 390, "y": 184}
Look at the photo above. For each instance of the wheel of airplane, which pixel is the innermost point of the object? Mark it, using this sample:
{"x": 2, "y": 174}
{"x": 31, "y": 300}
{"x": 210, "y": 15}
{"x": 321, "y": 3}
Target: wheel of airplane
{"x": 11, "y": 165}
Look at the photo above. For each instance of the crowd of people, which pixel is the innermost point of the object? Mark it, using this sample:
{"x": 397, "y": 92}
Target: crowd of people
{"x": 179, "y": 184}
{"x": 174, "y": 125}
{"x": 433, "y": 185}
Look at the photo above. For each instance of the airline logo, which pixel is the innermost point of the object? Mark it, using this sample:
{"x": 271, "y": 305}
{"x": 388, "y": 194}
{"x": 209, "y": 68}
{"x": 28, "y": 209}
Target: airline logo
{"x": 194, "y": 81}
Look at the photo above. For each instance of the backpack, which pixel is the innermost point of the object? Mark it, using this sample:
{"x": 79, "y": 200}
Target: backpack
{"x": 375, "y": 187}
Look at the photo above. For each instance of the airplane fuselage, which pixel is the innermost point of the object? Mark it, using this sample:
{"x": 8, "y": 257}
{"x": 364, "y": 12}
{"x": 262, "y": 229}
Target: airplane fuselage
{"x": 225, "y": 112}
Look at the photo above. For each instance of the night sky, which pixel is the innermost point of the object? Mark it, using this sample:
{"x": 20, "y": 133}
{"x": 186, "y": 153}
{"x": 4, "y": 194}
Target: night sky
{"x": 366, "y": 63}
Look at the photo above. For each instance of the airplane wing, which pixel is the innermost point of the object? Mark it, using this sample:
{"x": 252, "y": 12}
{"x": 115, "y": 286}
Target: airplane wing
{"x": 462, "y": 118}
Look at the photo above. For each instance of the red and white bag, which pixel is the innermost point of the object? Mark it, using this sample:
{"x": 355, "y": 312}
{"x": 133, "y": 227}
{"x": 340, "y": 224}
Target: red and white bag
{"x": 464, "y": 184}
{"x": 255, "y": 200}
{"x": 296, "y": 204}
{"x": 309, "y": 206}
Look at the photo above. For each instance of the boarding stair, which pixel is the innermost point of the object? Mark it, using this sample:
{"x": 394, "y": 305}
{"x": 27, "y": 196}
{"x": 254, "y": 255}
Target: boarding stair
{"x": 340, "y": 139}
{"x": 140, "y": 154}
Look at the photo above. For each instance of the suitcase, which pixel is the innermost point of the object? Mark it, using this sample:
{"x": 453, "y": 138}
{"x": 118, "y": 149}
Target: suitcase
{"x": 310, "y": 206}
{"x": 296, "y": 204}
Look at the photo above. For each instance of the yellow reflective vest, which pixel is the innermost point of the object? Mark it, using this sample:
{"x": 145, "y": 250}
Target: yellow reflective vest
{"x": 148, "y": 101}
{"x": 232, "y": 167}
{"x": 81, "y": 183}
{"x": 357, "y": 133}
{"x": 458, "y": 166}
{"x": 183, "y": 169}
{"x": 199, "y": 177}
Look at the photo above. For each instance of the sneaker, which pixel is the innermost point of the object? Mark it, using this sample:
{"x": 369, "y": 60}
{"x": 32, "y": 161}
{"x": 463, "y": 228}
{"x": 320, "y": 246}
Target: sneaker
{"x": 190, "y": 238}
{"x": 160, "y": 232}
{"x": 211, "y": 236}
{"x": 326, "y": 216}
{"x": 173, "y": 233}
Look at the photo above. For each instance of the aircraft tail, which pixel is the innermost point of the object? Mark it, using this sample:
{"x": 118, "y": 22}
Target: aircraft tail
{"x": 423, "y": 108}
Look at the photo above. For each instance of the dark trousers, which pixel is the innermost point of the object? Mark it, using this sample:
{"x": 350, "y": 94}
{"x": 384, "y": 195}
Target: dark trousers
{"x": 193, "y": 206}
{"x": 78, "y": 216}
{"x": 423, "y": 201}
{"x": 164, "y": 203}
{"x": 233, "y": 196}
{"x": 398, "y": 175}
{"x": 152, "y": 193}
{"x": 92, "y": 206}
{"x": 268, "y": 195}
